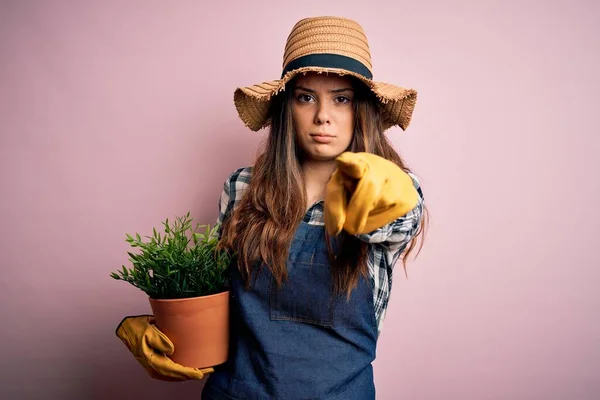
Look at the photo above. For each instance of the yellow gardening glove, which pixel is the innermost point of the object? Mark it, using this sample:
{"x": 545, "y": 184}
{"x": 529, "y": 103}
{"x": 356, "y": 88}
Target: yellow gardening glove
{"x": 366, "y": 192}
{"x": 151, "y": 347}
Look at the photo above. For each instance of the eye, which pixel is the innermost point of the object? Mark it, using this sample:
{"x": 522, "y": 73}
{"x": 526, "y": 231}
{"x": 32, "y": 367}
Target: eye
{"x": 343, "y": 99}
{"x": 305, "y": 98}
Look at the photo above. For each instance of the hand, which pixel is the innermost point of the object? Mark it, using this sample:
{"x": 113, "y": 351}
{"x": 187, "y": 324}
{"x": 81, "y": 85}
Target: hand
{"x": 379, "y": 192}
{"x": 151, "y": 347}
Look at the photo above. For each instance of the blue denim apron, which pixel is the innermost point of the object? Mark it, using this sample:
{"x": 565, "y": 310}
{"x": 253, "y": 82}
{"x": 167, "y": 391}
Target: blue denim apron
{"x": 300, "y": 341}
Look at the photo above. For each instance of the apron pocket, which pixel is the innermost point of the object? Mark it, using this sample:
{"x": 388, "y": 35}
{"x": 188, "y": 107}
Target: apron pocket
{"x": 306, "y": 296}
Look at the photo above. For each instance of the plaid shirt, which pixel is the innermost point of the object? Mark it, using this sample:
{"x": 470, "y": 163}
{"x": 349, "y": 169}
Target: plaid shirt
{"x": 385, "y": 244}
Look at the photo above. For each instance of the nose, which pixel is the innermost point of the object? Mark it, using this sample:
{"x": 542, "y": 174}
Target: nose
{"x": 322, "y": 114}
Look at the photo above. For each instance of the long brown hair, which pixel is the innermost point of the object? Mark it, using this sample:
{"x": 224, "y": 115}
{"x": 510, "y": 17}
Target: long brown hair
{"x": 262, "y": 226}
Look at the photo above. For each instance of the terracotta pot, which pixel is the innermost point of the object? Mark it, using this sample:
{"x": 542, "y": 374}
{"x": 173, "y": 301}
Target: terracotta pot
{"x": 197, "y": 326}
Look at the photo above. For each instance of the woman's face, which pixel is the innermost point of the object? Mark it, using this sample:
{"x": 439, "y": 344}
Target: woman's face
{"x": 323, "y": 114}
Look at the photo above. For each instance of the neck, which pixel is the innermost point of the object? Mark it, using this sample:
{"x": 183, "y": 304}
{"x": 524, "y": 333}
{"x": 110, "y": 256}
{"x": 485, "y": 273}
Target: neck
{"x": 316, "y": 176}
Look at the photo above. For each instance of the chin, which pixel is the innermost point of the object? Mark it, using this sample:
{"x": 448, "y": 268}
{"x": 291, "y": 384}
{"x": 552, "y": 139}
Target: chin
{"x": 321, "y": 152}
{"x": 323, "y": 156}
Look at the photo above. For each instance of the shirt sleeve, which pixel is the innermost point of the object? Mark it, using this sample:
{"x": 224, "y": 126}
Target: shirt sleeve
{"x": 223, "y": 204}
{"x": 397, "y": 234}
{"x": 233, "y": 188}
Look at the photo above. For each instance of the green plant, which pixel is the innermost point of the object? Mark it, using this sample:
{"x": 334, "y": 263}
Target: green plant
{"x": 179, "y": 263}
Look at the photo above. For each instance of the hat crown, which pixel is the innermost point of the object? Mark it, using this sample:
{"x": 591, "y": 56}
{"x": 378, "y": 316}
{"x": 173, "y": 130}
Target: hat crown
{"x": 328, "y": 35}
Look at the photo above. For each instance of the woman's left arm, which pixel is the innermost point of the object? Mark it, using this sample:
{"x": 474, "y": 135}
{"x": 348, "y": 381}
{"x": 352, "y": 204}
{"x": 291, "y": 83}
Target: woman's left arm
{"x": 374, "y": 199}
{"x": 399, "y": 232}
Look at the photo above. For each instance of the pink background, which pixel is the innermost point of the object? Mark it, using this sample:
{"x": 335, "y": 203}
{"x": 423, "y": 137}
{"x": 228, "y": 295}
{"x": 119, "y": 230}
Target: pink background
{"x": 117, "y": 114}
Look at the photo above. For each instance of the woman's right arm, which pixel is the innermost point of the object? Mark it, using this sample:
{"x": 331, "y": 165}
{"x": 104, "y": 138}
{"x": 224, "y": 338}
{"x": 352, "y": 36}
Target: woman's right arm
{"x": 233, "y": 188}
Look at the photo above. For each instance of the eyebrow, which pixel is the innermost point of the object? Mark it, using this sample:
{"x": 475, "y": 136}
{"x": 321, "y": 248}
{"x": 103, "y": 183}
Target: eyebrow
{"x": 340, "y": 90}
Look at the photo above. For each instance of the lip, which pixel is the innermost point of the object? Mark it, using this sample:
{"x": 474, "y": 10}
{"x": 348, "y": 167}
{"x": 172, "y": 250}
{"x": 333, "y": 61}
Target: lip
{"x": 322, "y": 137}
{"x": 321, "y": 134}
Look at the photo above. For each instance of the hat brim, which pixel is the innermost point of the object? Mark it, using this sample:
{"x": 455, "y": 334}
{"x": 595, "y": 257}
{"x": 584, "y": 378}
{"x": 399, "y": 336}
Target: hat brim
{"x": 253, "y": 102}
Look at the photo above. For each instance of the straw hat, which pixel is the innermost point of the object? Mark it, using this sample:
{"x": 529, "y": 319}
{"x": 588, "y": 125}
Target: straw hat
{"x": 326, "y": 45}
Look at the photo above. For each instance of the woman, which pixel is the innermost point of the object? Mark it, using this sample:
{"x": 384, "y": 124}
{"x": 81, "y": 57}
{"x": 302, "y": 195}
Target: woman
{"x": 317, "y": 223}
